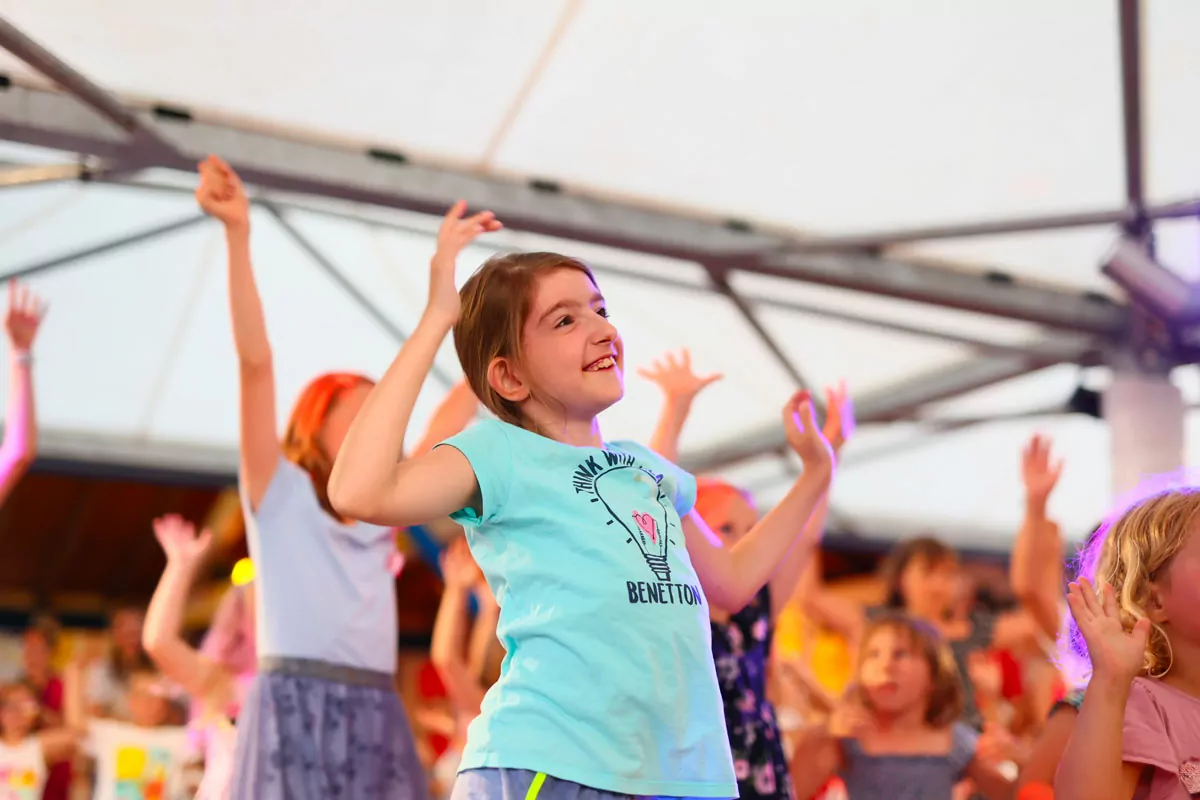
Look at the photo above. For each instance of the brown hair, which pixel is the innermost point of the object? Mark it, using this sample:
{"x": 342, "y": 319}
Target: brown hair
{"x": 924, "y": 548}
{"x": 495, "y": 302}
{"x": 946, "y": 689}
{"x": 7, "y": 691}
{"x": 119, "y": 667}
{"x": 47, "y": 628}
{"x": 301, "y": 441}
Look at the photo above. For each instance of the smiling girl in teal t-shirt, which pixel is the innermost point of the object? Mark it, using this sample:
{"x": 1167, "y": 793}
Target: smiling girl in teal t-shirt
{"x": 602, "y": 569}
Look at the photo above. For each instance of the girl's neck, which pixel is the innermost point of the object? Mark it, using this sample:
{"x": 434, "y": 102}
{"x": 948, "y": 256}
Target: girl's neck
{"x": 903, "y": 722}
{"x": 12, "y": 740}
{"x": 582, "y": 432}
{"x": 1185, "y": 666}
{"x": 126, "y": 660}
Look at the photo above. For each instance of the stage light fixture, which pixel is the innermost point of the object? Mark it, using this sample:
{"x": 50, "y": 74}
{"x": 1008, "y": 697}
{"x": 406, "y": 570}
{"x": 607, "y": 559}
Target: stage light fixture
{"x": 1171, "y": 298}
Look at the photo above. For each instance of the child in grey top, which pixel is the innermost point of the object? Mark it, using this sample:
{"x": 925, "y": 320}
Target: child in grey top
{"x": 898, "y": 734}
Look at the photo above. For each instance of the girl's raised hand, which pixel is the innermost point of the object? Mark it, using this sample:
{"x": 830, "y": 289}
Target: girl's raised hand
{"x": 179, "y": 540}
{"x": 839, "y": 417}
{"x": 1114, "y": 652}
{"x": 986, "y": 675}
{"x": 995, "y": 745}
{"x": 456, "y": 233}
{"x": 221, "y": 195}
{"x": 1039, "y": 470}
{"x": 850, "y": 720}
{"x": 25, "y": 312}
{"x": 675, "y": 377}
{"x": 459, "y": 569}
{"x": 803, "y": 434}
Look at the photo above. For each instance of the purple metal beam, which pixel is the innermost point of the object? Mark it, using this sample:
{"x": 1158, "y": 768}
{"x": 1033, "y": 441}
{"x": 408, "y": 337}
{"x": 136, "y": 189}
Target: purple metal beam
{"x": 1129, "y": 12}
{"x": 875, "y": 240}
{"x": 76, "y": 84}
{"x": 899, "y": 401}
{"x": 746, "y": 310}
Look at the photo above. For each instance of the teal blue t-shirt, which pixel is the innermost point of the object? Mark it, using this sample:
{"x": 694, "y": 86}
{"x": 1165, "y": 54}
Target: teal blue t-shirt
{"x": 608, "y": 680}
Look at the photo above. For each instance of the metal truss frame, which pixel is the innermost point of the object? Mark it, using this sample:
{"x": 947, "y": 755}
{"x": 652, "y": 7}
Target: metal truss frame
{"x": 117, "y": 139}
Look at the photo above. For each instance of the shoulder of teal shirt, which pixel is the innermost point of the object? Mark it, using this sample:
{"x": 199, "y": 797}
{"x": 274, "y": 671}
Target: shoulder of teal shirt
{"x": 682, "y": 484}
{"x": 487, "y": 445}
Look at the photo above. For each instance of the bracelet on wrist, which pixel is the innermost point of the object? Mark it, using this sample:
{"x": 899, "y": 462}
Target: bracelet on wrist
{"x": 22, "y": 356}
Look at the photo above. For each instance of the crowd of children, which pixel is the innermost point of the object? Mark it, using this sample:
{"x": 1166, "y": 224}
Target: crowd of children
{"x": 609, "y": 622}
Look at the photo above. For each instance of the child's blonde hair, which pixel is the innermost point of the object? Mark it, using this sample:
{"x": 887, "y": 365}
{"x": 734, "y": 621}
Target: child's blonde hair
{"x": 946, "y": 699}
{"x": 1131, "y": 551}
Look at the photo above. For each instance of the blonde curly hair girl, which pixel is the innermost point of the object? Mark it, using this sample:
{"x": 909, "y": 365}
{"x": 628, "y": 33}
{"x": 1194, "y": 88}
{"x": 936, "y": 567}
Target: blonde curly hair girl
{"x": 1132, "y": 552}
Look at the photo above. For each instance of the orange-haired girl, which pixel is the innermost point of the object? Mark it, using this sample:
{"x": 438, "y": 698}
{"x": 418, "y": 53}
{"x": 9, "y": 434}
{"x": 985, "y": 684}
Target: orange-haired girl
{"x": 322, "y": 718}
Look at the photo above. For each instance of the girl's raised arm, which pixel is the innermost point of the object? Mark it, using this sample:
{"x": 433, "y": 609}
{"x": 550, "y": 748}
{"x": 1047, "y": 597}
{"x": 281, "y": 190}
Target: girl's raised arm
{"x": 371, "y": 481}
{"x": 1092, "y": 767}
{"x": 59, "y": 744}
{"x": 732, "y": 577}
{"x": 679, "y": 386}
{"x": 839, "y": 426}
{"x": 162, "y": 634}
{"x": 1035, "y": 573}
{"x": 221, "y": 196}
{"x": 454, "y": 414}
{"x": 19, "y": 447}
{"x": 483, "y": 635}
{"x": 818, "y": 754}
{"x": 448, "y": 650}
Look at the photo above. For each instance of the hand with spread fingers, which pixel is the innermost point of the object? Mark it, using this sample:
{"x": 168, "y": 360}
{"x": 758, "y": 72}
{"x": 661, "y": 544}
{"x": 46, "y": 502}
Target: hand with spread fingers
{"x": 674, "y": 376}
{"x": 457, "y": 231}
{"x": 1114, "y": 652}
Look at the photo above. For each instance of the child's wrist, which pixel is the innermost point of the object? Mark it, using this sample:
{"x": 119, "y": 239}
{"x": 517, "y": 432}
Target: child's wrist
{"x": 1110, "y": 684}
{"x": 680, "y": 401}
{"x": 818, "y": 470}
{"x": 183, "y": 564}
{"x": 1035, "y": 505}
{"x": 237, "y": 229}
{"x": 441, "y": 321}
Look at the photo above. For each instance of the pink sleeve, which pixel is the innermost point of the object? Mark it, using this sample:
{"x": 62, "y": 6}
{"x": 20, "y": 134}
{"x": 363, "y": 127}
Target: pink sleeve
{"x": 1144, "y": 737}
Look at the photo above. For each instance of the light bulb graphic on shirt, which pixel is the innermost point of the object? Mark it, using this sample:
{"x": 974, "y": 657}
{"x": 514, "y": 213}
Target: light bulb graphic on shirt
{"x": 653, "y": 543}
{"x": 646, "y": 525}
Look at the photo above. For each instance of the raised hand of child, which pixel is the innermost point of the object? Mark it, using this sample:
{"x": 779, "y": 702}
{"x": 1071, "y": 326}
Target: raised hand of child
{"x": 395, "y": 563}
{"x": 25, "y": 313}
{"x": 839, "y": 417}
{"x": 1114, "y": 652}
{"x": 675, "y": 378}
{"x": 459, "y": 569}
{"x": 221, "y": 195}
{"x": 803, "y": 434}
{"x": 986, "y": 676}
{"x": 456, "y": 233}
{"x": 995, "y": 745}
{"x": 1039, "y": 470}
{"x": 179, "y": 540}
{"x": 850, "y": 720}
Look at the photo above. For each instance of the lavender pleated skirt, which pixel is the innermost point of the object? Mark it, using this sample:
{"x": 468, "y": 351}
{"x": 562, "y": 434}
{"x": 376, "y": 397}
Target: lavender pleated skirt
{"x": 314, "y": 731}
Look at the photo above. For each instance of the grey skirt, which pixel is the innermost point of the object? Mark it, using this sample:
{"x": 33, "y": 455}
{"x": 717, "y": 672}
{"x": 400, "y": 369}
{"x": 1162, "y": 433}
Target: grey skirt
{"x": 312, "y": 731}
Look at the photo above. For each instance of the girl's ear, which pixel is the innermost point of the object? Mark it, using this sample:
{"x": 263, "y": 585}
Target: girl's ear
{"x": 506, "y": 381}
{"x": 1154, "y": 605}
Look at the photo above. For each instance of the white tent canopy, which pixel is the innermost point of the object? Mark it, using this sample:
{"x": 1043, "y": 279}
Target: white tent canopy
{"x": 807, "y": 117}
